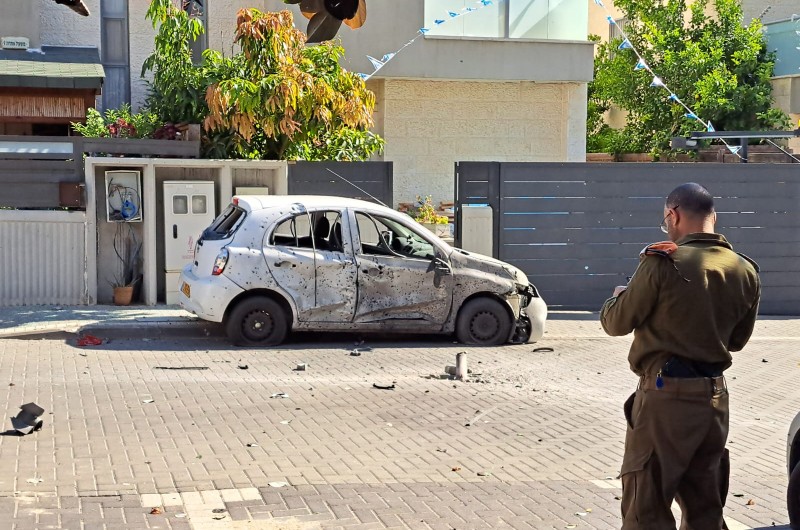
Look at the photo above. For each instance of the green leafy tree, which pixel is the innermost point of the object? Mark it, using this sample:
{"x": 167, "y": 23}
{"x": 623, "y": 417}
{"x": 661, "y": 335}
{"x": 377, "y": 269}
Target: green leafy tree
{"x": 275, "y": 99}
{"x": 177, "y": 87}
{"x": 718, "y": 67}
{"x": 286, "y": 100}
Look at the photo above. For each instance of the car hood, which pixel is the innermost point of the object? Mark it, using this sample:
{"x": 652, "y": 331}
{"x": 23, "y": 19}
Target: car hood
{"x": 470, "y": 260}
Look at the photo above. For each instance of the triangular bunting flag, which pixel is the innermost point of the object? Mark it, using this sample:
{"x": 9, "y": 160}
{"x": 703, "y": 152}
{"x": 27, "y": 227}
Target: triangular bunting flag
{"x": 438, "y": 21}
{"x": 375, "y": 62}
{"x": 452, "y": 14}
{"x": 656, "y": 81}
{"x": 363, "y": 76}
{"x": 388, "y": 57}
{"x": 641, "y": 65}
{"x": 600, "y": 3}
{"x": 673, "y": 97}
{"x": 626, "y": 45}
{"x": 423, "y": 31}
{"x": 734, "y": 149}
{"x": 710, "y": 128}
{"x": 611, "y": 20}
{"x": 486, "y": 2}
{"x": 691, "y": 115}
{"x": 470, "y": 9}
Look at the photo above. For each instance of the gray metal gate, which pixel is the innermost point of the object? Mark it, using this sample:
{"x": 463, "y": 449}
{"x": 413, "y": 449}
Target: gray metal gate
{"x": 576, "y": 229}
{"x": 359, "y": 180}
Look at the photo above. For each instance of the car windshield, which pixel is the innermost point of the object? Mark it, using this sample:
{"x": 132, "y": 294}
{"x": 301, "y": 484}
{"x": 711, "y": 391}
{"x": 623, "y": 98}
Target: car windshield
{"x": 226, "y": 224}
{"x": 384, "y": 236}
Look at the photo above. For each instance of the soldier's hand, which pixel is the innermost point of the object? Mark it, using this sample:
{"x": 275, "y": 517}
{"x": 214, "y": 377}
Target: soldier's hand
{"x": 619, "y": 289}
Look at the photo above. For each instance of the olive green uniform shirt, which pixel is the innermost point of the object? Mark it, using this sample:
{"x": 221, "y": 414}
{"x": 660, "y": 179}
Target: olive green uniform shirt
{"x": 702, "y": 319}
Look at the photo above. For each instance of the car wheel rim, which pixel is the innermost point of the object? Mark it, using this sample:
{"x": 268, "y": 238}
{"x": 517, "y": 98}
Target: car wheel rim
{"x": 484, "y": 326}
{"x": 258, "y": 325}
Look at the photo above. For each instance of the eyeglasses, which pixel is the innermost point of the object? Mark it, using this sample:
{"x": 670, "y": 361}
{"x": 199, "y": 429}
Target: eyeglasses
{"x": 664, "y": 227}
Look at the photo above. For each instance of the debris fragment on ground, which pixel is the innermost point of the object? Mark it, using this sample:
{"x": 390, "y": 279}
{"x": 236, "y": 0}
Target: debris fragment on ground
{"x": 89, "y": 340}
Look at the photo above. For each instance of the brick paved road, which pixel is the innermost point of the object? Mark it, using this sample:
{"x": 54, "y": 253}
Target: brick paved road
{"x": 533, "y": 441}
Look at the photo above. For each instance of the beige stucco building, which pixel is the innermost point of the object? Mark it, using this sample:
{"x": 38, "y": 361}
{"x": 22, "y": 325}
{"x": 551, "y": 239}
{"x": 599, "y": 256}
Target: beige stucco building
{"x": 506, "y": 82}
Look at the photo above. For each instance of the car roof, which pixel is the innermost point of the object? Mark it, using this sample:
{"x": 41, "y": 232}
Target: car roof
{"x": 262, "y": 202}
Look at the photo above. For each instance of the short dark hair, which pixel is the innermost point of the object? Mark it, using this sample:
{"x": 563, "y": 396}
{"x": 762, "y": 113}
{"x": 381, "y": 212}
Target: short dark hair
{"x": 692, "y": 198}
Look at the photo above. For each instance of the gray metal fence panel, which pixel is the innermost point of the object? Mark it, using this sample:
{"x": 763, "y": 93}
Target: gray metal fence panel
{"x": 576, "y": 229}
{"x": 359, "y": 180}
{"x": 43, "y": 257}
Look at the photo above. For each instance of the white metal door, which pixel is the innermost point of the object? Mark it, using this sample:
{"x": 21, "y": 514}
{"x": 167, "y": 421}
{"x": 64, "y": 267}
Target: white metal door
{"x": 188, "y": 210}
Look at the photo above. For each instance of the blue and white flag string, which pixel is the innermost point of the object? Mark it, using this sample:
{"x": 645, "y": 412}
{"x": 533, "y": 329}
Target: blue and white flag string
{"x": 658, "y": 82}
{"x": 377, "y": 64}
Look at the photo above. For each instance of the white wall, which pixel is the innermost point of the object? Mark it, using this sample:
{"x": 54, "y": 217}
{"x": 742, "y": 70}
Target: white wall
{"x": 430, "y": 125}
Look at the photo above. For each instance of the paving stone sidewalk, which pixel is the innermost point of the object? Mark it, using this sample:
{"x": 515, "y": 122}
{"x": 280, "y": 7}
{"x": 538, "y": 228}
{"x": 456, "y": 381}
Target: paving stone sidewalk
{"x": 39, "y": 320}
{"x": 534, "y": 440}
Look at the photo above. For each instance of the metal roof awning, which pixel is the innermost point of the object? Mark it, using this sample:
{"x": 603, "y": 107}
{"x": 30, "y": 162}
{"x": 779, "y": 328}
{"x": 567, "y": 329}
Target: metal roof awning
{"x": 63, "y": 67}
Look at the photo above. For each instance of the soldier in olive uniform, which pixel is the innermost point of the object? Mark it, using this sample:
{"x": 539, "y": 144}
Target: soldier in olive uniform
{"x": 691, "y": 301}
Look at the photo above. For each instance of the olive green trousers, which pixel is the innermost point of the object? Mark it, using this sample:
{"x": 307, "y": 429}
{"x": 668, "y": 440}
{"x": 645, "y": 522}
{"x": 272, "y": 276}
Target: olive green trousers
{"x": 675, "y": 450}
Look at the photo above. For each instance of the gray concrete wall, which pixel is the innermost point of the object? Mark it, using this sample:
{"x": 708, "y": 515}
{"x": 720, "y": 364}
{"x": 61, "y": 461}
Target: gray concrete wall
{"x": 20, "y": 19}
{"x": 390, "y": 25}
{"x": 60, "y": 26}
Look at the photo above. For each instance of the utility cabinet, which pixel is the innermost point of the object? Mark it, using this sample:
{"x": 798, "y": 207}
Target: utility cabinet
{"x": 123, "y": 189}
{"x": 188, "y": 210}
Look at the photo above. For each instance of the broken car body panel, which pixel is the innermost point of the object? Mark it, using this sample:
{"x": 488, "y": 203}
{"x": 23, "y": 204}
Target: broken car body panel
{"x": 344, "y": 264}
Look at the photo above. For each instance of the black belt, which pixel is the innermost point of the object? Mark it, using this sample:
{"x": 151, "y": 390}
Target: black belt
{"x": 688, "y": 385}
{"x": 681, "y": 368}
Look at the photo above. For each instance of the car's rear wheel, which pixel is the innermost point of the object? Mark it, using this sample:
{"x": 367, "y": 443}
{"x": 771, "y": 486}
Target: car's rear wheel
{"x": 793, "y": 498}
{"x": 483, "y": 321}
{"x": 257, "y": 321}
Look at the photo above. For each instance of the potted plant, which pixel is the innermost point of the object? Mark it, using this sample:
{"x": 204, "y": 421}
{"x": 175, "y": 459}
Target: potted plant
{"x": 127, "y": 249}
{"x": 425, "y": 214}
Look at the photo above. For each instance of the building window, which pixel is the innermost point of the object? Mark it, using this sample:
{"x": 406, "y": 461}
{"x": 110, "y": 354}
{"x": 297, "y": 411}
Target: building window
{"x": 509, "y": 19}
{"x": 615, "y": 30}
{"x": 198, "y": 9}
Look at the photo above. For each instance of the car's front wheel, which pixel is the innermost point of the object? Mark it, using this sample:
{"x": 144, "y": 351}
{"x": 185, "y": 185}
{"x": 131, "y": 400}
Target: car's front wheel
{"x": 793, "y": 498}
{"x": 257, "y": 321}
{"x": 483, "y": 321}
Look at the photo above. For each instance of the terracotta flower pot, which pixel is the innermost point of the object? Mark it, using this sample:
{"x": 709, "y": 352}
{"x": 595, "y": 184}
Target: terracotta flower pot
{"x": 123, "y": 295}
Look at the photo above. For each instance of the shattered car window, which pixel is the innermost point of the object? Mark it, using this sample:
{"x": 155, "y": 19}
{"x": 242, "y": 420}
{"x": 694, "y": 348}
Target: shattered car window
{"x": 293, "y": 232}
{"x": 225, "y": 225}
{"x": 320, "y": 230}
{"x": 382, "y": 236}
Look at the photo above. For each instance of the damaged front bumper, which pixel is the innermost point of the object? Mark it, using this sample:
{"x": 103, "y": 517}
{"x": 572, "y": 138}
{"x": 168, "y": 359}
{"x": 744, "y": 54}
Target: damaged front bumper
{"x": 532, "y": 315}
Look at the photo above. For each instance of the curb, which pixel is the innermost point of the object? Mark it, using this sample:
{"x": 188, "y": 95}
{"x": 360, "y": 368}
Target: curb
{"x": 123, "y": 330}
{"x": 160, "y": 330}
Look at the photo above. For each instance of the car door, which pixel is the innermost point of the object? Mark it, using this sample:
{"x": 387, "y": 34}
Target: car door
{"x": 310, "y": 264}
{"x": 403, "y": 279}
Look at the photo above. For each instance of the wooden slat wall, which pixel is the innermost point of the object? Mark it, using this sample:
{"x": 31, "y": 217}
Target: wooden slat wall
{"x": 576, "y": 229}
{"x": 72, "y": 107}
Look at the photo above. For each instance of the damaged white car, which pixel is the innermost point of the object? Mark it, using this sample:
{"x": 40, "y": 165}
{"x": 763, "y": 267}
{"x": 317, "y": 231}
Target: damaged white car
{"x": 271, "y": 264}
